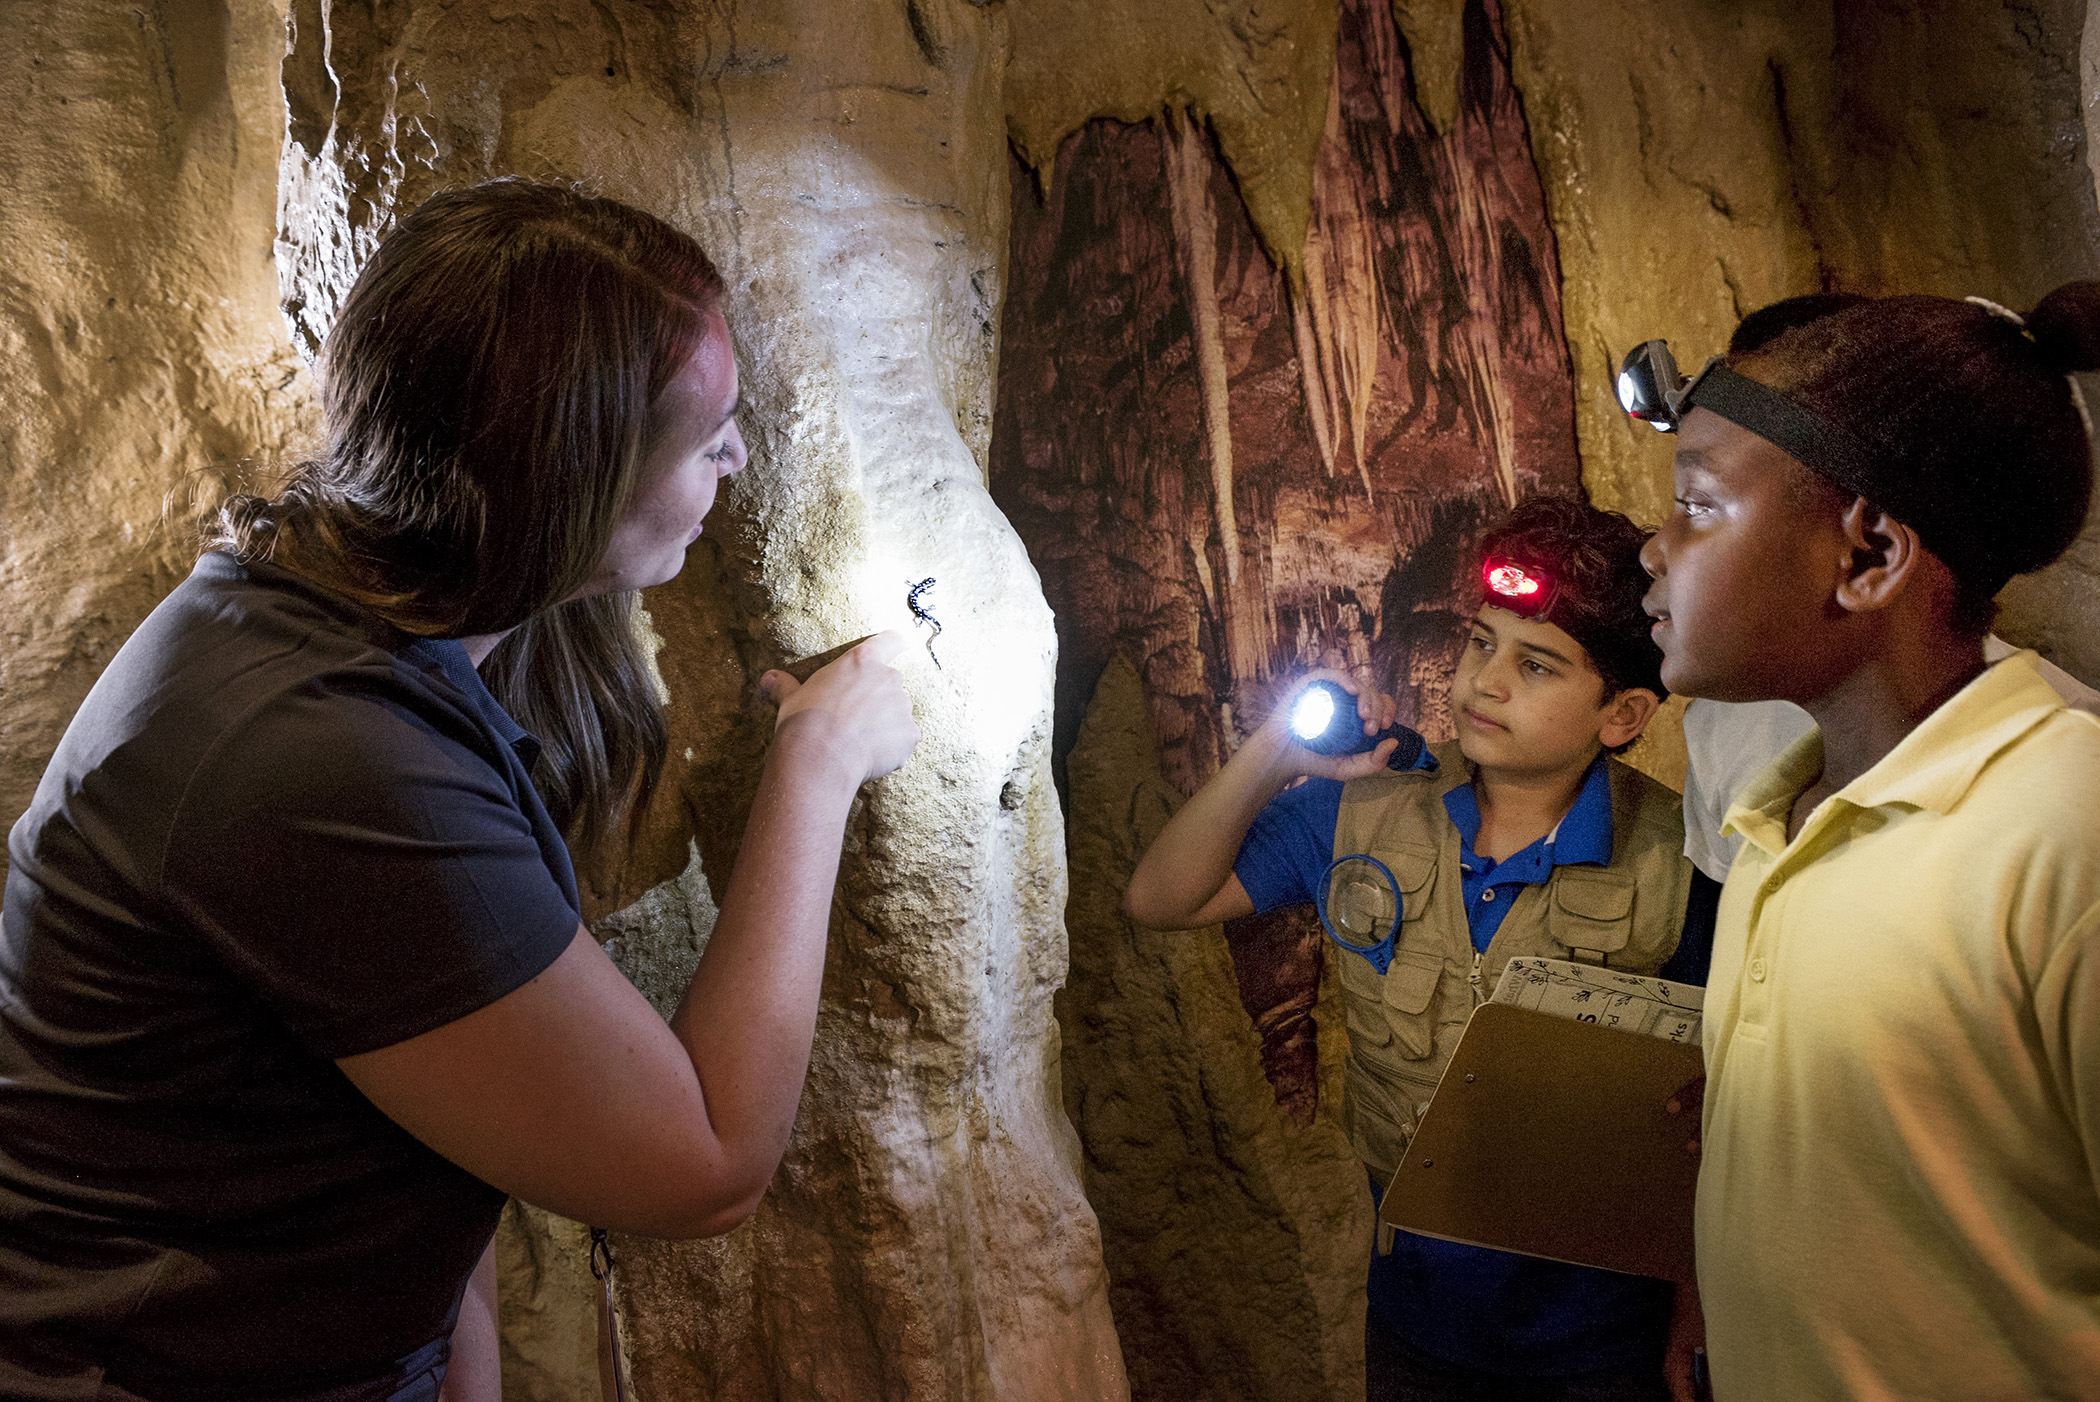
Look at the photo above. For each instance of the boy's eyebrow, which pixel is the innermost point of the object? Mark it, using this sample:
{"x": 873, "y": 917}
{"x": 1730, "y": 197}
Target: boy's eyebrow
{"x": 1548, "y": 652}
{"x": 1543, "y": 651}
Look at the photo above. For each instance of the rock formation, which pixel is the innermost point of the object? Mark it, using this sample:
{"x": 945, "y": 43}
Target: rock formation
{"x": 141, "y": 353}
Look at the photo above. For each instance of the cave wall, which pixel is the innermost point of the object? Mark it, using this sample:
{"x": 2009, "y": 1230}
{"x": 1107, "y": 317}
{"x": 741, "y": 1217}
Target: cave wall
{"x": 848, "y": 161}
{"x": 140, "y": 347}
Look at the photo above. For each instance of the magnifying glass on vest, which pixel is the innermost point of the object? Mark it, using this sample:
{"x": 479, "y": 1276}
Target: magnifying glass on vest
{"x": 1359, "y": 904}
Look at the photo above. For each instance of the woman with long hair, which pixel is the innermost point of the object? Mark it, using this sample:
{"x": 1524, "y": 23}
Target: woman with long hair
{"x": 294, "y": 987}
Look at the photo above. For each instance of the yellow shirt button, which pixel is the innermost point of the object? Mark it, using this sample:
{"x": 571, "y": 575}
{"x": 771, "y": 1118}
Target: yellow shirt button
{"x": 1757, "y": 971}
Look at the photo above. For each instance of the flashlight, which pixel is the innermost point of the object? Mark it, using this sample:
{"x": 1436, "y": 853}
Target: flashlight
{"x": 1324, "y": 720}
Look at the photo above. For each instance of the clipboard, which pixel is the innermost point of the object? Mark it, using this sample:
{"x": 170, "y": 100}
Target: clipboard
{"x": 1548, "y": 1137}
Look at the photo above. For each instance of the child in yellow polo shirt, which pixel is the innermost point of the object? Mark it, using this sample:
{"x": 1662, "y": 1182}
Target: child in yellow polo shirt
{"x": 1902, "y": 1120}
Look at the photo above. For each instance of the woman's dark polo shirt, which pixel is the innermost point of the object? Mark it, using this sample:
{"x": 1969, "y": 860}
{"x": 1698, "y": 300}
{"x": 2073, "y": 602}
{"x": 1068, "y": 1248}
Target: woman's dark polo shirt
{"x": 277, "y": 833}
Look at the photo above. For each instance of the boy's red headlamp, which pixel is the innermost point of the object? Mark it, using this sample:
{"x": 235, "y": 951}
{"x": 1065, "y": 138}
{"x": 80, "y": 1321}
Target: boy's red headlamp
{"x": 1524, "y": 591}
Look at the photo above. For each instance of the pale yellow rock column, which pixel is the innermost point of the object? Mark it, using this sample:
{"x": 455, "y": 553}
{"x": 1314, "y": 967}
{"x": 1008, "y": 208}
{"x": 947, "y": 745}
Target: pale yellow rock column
{"x": 845, "y": 163}
{"x": 140, "y": 344}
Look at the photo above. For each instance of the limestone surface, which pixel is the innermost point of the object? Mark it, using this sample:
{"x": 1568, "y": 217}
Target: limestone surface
{"x": 141, "y": 352}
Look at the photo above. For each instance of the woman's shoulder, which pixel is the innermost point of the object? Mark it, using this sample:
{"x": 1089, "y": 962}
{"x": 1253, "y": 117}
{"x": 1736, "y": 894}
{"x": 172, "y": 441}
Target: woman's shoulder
{"x": 237, "y": 646}
{"x": 247, "y": 691}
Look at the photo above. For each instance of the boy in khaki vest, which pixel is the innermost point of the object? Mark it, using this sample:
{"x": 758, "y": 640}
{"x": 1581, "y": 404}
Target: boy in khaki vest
{"x": 1521, "y": 837}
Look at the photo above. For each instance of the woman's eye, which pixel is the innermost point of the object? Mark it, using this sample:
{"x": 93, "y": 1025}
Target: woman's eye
{"x": 1538, "y": 669}
{"x": 1692, "y": 506}
{"x": 722, "y": 453}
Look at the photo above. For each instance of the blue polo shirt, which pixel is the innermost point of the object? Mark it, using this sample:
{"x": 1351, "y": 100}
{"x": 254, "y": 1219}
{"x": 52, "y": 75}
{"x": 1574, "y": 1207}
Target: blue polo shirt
{"x": 1584, "y": 835}
{"x": 1491, "y": 1311}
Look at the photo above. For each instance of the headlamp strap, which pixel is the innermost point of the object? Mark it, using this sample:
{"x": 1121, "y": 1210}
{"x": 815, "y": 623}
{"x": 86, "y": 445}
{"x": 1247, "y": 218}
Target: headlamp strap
{"x": 1819, "y": 444}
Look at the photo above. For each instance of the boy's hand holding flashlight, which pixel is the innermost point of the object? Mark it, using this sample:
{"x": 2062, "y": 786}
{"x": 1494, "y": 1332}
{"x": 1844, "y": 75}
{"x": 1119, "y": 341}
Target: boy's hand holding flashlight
{"x": 1305, "y": 732}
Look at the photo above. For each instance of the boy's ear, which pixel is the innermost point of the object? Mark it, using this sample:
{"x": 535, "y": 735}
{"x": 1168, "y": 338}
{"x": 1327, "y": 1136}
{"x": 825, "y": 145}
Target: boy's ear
{"x": 1627, "y": 715}
{"x": 1886, "y": 555}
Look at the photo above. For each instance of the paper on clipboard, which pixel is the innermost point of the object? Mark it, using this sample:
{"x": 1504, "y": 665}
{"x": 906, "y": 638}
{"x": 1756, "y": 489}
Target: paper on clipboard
{"x": 1639, "y": 1003}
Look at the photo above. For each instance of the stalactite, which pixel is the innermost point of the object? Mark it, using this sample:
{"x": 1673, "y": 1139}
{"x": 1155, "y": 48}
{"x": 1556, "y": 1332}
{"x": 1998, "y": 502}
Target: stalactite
{"x": 1196, "y": 247}
{"x": 1478, "y": 256}
{"x": 1195, "y": 220}
{"x": 1319, "y": 312}
{"x": 1344, "y": 287}
{"x": 1319, "y": 408}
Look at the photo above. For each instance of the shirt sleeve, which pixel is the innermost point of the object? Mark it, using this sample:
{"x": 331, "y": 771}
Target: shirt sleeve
{"x": 360, "y": 863}
{"x": 1291, "y": 845}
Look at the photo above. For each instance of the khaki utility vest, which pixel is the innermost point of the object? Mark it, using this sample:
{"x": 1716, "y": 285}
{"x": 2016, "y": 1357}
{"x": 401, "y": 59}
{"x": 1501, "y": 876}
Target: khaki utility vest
{"x": 1405, "y": 1023}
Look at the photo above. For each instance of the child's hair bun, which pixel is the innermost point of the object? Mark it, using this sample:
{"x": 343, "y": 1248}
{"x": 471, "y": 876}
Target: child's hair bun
{"x": 2066, "y": 326}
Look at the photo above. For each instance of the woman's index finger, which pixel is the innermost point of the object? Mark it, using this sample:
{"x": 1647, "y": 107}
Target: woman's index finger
{"x": 885, "y": 646}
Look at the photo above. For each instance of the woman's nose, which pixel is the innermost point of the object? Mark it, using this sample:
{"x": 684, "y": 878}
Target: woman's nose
{"x": 1652, "y": 556}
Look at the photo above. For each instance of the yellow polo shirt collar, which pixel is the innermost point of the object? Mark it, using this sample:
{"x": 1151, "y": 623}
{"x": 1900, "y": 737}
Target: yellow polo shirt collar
{"x": 1930, "y": 768}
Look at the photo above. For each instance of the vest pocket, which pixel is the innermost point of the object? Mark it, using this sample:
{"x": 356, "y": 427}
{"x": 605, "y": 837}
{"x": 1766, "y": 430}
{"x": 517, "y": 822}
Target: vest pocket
{"x": 1591, "y": 913}
{"x": 1378, "y": 1119}
{"x": 1367, "y": 1025}
{"x": 1414, "y": 872}
{"x": 1410, "y": 990}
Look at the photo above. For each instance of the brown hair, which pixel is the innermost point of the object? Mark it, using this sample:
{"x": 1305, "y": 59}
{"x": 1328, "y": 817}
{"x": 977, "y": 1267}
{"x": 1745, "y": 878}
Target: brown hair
{"x": 1593, "y": 557}
{"x": 1977, "y": 439}
{"x": 486, "y": 391}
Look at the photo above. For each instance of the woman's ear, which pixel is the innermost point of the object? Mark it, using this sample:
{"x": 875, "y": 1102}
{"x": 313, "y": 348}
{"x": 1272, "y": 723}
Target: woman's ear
{"x": 1885, "y": 557}
{"x": 1627, "y": 715}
